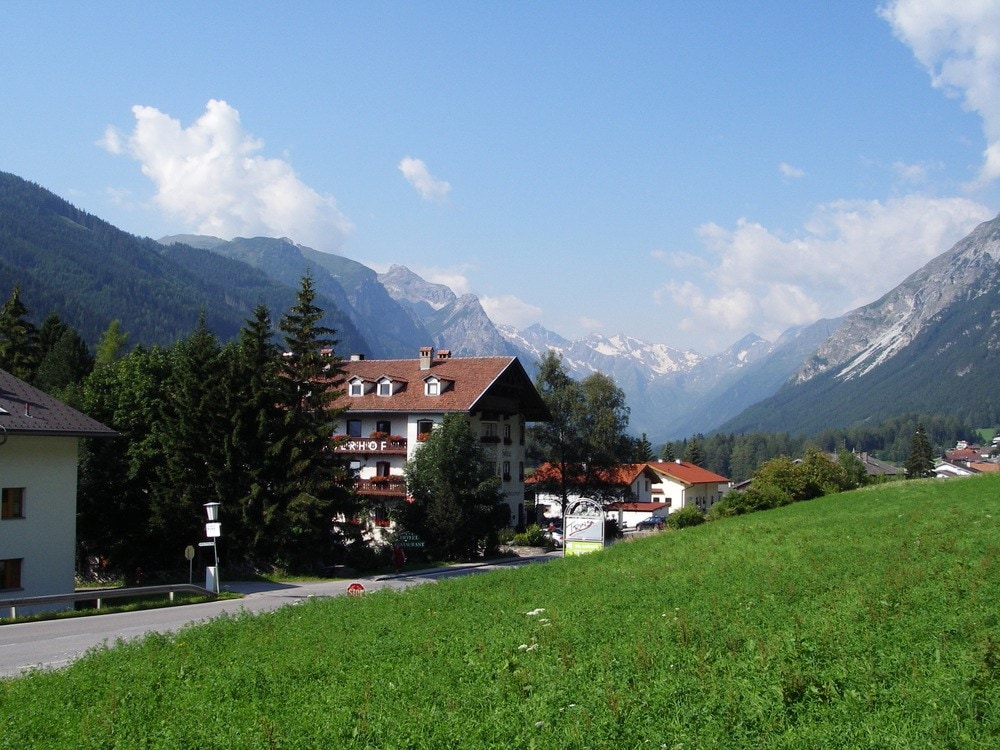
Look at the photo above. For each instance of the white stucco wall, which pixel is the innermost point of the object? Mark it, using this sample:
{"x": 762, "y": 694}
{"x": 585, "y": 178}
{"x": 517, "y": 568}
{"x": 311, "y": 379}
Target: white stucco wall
{"x": 45, "y": 539}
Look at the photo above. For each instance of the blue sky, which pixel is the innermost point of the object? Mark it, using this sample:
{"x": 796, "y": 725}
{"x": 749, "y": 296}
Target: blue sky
{"x": 685, "y": 173}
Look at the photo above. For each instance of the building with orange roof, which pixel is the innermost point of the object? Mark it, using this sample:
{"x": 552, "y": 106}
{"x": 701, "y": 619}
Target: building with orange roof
{"x": 391, "y": 406}
{"x": 633, "y": 492}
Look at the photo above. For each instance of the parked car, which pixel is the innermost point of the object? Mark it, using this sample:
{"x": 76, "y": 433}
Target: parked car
{"x": 555, "y": 536}
{"x": 652, "y": 523}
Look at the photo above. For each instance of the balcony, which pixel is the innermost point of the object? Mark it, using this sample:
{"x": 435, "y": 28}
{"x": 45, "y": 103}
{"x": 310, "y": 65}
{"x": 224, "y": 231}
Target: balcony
{"x": 389, "y": 446}
{"x": 381, "y": 487}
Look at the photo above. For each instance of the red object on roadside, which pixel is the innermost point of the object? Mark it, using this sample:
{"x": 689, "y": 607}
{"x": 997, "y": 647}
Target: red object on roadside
{"x": 355, "y": 589}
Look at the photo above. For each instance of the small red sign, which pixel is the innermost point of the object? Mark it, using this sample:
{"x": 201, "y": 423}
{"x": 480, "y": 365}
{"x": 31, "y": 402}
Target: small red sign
{"x": 355, "y": 589}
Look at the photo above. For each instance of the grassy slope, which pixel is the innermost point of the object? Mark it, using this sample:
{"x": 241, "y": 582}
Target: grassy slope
{"x": 865, "y": 620}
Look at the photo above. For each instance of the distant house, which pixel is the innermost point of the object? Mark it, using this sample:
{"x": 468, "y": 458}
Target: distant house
{"x": 393, "y": 405}
{"x": 656, "y": 487}
{"x": 876, "y": 468}
{"x": 39, "y": 437}
{"x": 945, "y": 469}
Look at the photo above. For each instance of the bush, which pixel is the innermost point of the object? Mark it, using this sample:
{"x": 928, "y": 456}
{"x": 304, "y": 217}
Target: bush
{"x": 533, "y": 536}
{"x": 688, "y": 516}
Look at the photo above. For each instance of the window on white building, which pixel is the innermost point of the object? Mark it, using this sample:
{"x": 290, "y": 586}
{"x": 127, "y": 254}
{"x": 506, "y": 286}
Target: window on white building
{"x": 12, "y": 503}
{"x": 356, "y": 388}
{"x": 385, "y": 387}
{"x": 10, "y": 573}
{"x": 354, "y": 428}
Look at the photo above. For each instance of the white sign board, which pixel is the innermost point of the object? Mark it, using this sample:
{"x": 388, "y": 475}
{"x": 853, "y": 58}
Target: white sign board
{"x": 213, "y": 529}
{"x": 583, "y": 528}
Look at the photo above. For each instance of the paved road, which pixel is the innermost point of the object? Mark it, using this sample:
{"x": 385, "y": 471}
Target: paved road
{"x": 51, "y": 644}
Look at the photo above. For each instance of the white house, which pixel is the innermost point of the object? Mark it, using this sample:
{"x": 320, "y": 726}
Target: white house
{"x": 39, "y": 436}
{"x": 392, "y": 405}
{"x": 653, "y": 488}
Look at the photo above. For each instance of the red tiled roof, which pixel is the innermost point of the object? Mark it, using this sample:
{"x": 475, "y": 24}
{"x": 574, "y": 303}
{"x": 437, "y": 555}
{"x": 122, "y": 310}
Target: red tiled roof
{"x": 497, "y": 384}
{"x": 622, "y": 474}
{"x": 650, "y": 507}
{"x": 686, "y": 472}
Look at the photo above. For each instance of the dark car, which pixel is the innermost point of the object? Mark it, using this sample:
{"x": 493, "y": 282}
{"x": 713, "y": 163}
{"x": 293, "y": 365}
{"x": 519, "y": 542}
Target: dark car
{"x": 652, "y": 523}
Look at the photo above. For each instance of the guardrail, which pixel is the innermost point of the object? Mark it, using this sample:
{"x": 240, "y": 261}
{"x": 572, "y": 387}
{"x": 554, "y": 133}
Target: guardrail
{"x": 99, "y": 595}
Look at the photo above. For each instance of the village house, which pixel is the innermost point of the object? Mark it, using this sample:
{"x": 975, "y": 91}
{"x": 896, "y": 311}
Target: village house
{"x": 39, "y": 438}
{"x": 393, "y": 405}
{"x": 633, "y": 492}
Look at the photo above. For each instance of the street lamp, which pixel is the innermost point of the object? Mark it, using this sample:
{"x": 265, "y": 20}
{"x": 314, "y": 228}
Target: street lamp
{"x": 213, "y": 530}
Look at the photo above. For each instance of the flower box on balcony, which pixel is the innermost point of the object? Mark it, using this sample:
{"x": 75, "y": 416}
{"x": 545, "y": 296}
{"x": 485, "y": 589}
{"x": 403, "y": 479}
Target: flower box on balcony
{"x": 490, "y": 439}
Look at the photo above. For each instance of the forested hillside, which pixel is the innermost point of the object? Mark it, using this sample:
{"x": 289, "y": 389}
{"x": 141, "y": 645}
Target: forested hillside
{"x": 88, "y": 272}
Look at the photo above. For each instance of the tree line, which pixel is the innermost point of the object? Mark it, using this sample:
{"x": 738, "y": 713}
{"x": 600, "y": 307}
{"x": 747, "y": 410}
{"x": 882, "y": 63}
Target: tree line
{"x": 737, "y": 456}
{"x": 246, "y": 424}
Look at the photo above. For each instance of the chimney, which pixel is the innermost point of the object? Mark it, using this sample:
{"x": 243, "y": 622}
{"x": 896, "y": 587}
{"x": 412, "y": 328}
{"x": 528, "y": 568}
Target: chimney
{"x": 426, "y": 354}
{"x": 357, "y": 357}
{"x": 444, "y": 354}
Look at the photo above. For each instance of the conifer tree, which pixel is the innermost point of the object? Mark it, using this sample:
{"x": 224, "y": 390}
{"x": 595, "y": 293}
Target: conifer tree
{"x": 920, "y": 462}
{"x": 18, "y": 338}
{"x": 317, "y": 486}
{"x": 693, "y": 453}
{"x": 253, "y": 470}
{"x": 190, "y": 431}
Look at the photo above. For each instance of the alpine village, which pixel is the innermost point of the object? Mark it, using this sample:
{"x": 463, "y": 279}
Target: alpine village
{"x": 207, "y": 412}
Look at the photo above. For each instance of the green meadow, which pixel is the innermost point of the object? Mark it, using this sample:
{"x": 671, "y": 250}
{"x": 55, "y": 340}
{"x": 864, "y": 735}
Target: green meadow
{"x": 869, "y": 619}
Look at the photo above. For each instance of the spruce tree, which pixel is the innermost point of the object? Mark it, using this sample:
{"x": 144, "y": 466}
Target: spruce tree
{"x": 920, "y": 462}
{"x": 18, "y": 338}
{"x": 253, "y": 469}
{"x": 667, "y": 454}
{"x": 693, "y": 453}
{"x": 317, "y": 481}
{"x": 190, "y": 431}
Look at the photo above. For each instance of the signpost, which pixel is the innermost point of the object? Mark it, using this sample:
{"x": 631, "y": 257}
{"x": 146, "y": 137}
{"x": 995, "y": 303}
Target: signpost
{"x": 189, "y": 556}
{"x": 583, "y": 528}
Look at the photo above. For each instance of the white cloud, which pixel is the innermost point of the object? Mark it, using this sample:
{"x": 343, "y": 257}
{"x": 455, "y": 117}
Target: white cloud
{"x": 453, "y": 278}
{"x": 787, "y": 170}
{"x": 429, "y": 187}
{"x": 509, "y": 310}
{"x": 958, "y": 42}
{"x": 912, "y": 173}
{"x": 848, "y": 254}
{"x": 591, "y": 325}
{"x": 212, "y": 177}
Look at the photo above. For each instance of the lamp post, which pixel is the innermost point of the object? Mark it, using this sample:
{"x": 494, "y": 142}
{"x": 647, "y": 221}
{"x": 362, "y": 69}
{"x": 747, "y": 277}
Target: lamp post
{"x": 213, "y": 530}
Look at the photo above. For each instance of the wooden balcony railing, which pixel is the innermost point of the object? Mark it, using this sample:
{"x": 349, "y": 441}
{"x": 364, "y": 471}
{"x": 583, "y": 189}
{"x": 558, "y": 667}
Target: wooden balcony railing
{"x": 382, "y": 487}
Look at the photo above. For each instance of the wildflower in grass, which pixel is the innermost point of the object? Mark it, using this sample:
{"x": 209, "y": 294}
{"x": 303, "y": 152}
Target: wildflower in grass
{"x": 534, "y": 612}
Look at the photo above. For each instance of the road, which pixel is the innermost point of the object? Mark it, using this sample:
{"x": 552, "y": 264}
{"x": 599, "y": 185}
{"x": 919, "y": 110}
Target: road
{"x": 51, "y": 644}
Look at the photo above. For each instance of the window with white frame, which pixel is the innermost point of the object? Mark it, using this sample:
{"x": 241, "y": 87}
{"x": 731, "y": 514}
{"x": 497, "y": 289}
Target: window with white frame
{"x": 356, "y": 387}
{"x": 385, "y": 387}
{"x": 432, "y": 387}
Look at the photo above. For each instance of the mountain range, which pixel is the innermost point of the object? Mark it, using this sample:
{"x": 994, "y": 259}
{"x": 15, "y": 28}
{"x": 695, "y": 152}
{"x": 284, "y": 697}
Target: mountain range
{"x": 930, "y": 345}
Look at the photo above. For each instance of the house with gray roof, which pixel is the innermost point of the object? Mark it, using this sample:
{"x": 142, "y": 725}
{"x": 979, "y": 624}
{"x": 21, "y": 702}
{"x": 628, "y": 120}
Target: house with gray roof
{"x": 39, "y": 440}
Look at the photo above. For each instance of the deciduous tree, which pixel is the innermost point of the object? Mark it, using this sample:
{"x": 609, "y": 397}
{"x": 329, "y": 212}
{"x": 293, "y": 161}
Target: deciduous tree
{"x": 458, "y": 504}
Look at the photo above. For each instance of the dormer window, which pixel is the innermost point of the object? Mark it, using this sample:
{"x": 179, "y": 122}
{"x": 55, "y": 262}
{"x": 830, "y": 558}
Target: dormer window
{"x": 432, "y": 387}
{"x": 356, "y": 387}
{"x": 385, "y": 387}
